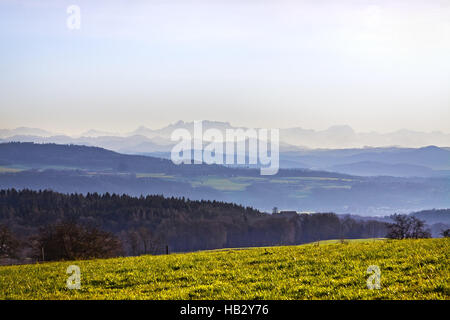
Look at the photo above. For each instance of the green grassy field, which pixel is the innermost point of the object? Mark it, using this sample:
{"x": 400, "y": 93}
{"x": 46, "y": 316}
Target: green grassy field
{"x": 301, "y": 184}
{"x": 410, "y": 269}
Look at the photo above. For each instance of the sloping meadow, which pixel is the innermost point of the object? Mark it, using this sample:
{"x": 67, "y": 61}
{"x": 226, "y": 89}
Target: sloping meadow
{"x": 408, "y": 269}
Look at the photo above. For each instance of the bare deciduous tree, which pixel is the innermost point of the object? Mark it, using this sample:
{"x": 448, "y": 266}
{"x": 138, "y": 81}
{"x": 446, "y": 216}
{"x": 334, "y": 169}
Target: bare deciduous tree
{"x": 71, "y": 241}
{"x": 405, "y": 226}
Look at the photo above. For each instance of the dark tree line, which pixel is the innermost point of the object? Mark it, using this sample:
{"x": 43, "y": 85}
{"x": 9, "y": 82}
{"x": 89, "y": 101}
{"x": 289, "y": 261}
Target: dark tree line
{"x": 56, "y": 226}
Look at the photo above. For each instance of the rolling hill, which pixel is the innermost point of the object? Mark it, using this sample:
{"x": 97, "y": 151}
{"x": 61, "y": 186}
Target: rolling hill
{"x": 394, "y": 161}
{"x": 71, "y": 168}
{"x": 409, "y": 269}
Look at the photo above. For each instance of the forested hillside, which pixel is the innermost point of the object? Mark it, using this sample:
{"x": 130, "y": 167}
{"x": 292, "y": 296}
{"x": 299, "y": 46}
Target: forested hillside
{"x": 153, "y": 222}
{"x": 81, "y": 169}
{"x": 58, "y": 156}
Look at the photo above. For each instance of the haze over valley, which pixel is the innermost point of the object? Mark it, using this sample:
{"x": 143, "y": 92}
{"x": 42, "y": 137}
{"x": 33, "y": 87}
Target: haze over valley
{"x": 84, "y": 169}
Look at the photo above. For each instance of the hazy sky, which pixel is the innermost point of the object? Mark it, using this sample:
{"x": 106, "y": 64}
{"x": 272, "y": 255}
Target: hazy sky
{"x": 374, "y": 65}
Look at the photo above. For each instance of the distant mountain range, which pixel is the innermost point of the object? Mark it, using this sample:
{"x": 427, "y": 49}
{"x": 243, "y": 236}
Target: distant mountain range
{"x": 425, "y": 161}
{"x": 4, "y": 133}
{"x": 400, "y": 162}
{"x": 334, "y": 137}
